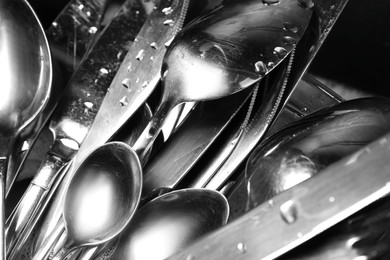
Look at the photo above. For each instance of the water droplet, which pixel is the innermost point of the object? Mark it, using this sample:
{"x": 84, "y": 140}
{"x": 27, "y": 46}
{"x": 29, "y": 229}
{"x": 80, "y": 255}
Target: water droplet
{"x": 299, "y": 235}
{"x": 305, "y": 110}
{"x": 54, "y": 24}
{"x": 88, "y": 13}
{"x": 307, "y": 4}
{"x": 103, "y": 72}
{"x": 165, "y": 74}
{"x": 241, "y": 247}
{"x": 270, "y": 2}
{"x": 289, "y": 41}
{"x": 168, "y": 43}
{"x": 271, "y": 203}
{"x": 126, "y": 82}
{"x": 153, "y": 45}
{"x": 137, "y": 80}
{"x": 332, "y": 199}
{"x": 260, "y": 68}
{"x": 119, "y": 55}
{"x": 290, "y": 27}
{"x": 124, "y": 101}
{"x": 145, "y": 84}
{"x": 169, "y": 22}
{"x": 167, "y": 10}
{"x": 280, "y": 52}
{"x": 25, "y": 146}
{"x": 140, "y": 55}
{"x": 81, "y": 7}
{"x": 88, "y": 105}
{"x": 190, "y": 257}
{"x": 151, "y": 58}
{"x": 92, "y": 30}
{"x": 289, "y": 212}
{"x": 271, "y": 64}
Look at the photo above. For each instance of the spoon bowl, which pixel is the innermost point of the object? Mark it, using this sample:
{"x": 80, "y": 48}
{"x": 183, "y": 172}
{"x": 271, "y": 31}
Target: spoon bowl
{"x": 26, "y": 65}
{"x": 171, "y": 222}
{"x": 228, "y": 49}
{"x": 101, "y": 199}
{"x": 309, "y": 145}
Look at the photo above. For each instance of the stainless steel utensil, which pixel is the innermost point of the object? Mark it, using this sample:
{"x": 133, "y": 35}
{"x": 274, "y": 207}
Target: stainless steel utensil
{"x": 304, "y": 148}
{"x": 305, "y": 52}
{"x": 215, "y": 47}
{"x": 101, "y": 199}
{"x": 73, "y": 118}
{"x": 70, "y": 36}
{"x": 127, "y": 92}
{"x": 26, "y": 68}
{"x": 170, "y": 222}
{"x": 302, "y": 212}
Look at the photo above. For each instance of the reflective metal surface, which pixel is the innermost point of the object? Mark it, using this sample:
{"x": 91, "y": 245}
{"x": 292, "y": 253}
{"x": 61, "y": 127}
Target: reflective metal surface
{"x": 73, "y": 117}
{"x": 69, "y": 36}
{"x": 302, "y": 212}
{"x": 170, "y": 222}
{"x": 102, "y": 197}
{"x": 309, "y": 145}
{"x": 231, "y": 51}
{"x": 26, "y": 69}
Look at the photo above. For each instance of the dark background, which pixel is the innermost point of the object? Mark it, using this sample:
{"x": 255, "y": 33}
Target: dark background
{"x": 356, "y": 53}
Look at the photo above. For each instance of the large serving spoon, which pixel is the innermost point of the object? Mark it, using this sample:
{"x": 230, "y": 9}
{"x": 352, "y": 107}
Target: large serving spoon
{"x": 231, "y": 47}
{"x": 26, "y": 68}
{"x": 101, "y": 199}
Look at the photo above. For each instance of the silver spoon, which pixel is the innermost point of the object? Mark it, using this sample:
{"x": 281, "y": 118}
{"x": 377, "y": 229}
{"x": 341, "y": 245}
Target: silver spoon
{"x": 101, "y": 199}
{"x": 171, "y": 222}
{"x": 301, "y": 150}
{"x": 231, "y": 47}
{"x": 26, "y": 68}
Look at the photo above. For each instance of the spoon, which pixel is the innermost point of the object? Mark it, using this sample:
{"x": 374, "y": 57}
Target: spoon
{"x": 170, "y": 222}
{"x": 101, "y": 199}
{"x": 26, "y": 68}
{"x": 72, "y": 119}
{"x": 232, "y": 47}
{"x": 304, "y": 148}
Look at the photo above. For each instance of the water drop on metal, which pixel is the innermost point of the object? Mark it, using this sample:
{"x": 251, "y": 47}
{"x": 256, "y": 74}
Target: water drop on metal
{"x": 190, "y": 257}
{"x": 126, "y": 83}
{"x": 270, "y": 2}
{"x": 167, "y": 10}
{"x": 92, "y": 30}
{"x": 124, "y": 101}
{"x": 289, "y": 41}
{"x": 88, "y": 105}
{"x": 140, "y": 55}
{"x": 306, "y": 4}
{"x": 168, "y": 43}
{"x": 165, "y": 74}
{"x": 241, "y": 248}
{"x": 271, "y": 64}
{"x": 289, "y": 212}
{"x": 153, "y": 45}
{"x": 332, "y": 199}
{"x": 261, "y": 68}
{"x": 280, "y": 52}
{"x": 145, "y": 84}
{"x": 169, "y": 22}
{"x": 103, "y": 72}
{"x": 290, "y": 27}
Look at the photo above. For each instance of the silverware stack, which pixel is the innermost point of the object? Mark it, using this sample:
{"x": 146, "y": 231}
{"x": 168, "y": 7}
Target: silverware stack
{"x": 180, "y": 129}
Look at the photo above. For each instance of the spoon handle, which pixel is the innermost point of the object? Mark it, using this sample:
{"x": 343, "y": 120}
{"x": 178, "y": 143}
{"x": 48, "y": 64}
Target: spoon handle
{"x": 3, "y": 167}
{"x": 43, "y": 251}
{"x": 17, "y": 228}
{"x": 148, "y": 136}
